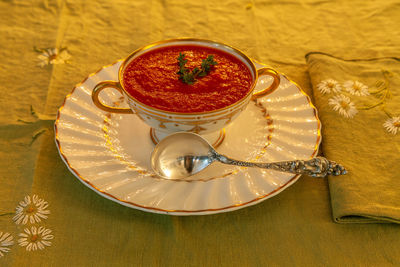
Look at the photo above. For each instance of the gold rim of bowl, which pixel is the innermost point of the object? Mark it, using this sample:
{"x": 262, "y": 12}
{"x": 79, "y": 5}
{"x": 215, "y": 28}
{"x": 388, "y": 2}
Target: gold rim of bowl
{"x": 127, "y": 60}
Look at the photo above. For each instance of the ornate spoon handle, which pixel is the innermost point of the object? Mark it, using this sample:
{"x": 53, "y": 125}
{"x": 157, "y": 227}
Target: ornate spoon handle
{"x": 315, "y": 167}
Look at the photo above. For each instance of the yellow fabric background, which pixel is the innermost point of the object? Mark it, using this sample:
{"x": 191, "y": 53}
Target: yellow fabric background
{"x": 294, "y": 228}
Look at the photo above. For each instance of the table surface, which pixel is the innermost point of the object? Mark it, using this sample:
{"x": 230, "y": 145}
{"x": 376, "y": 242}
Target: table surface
{"x": 293, "y": 228}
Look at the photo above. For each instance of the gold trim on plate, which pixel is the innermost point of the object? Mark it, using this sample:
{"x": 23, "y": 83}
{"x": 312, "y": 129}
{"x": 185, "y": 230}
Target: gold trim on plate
{"x": 129, "y": 203}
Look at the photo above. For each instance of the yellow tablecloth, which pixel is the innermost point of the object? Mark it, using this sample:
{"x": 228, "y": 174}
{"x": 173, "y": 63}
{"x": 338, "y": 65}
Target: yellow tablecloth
{"x": 294, "y": 228}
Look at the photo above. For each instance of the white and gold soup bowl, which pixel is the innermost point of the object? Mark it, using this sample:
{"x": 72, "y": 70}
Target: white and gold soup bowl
{"x": 199, "y": 122}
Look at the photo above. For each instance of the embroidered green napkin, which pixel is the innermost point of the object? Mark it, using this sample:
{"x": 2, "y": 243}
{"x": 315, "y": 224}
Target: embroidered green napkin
{"x": 359, "y": 106}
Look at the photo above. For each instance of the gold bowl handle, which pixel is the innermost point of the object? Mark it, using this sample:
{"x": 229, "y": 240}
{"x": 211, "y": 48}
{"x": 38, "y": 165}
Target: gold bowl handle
{"x": 100, "y": 87}
{"x": 272, "y": 87}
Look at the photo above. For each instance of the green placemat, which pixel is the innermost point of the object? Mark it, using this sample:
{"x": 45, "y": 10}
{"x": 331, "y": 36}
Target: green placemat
{"x": 358, "y": 103}
{"x": 293, "y": 228}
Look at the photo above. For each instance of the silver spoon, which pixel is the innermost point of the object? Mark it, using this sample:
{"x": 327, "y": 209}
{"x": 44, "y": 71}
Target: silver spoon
{"x": 184, "y": 154}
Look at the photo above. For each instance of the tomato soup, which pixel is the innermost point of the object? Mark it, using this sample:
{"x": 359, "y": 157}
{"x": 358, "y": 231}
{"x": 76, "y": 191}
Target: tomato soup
{"x": 152, "y": 79}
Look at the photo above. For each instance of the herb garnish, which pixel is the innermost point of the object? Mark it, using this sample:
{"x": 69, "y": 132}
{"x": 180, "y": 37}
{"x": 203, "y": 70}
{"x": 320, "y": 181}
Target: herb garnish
{"x": 189, "y": 77}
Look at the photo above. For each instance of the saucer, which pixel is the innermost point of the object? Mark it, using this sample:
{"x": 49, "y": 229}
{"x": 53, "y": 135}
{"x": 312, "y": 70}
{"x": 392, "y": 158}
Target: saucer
{"x": 110, "y": 153}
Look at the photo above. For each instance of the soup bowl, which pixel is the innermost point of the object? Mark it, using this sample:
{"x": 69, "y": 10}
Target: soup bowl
{"x": 214, "y": 98}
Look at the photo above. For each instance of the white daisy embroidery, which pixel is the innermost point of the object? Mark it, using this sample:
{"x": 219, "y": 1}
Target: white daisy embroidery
{"x": 329, "y": 85}
{"x": 343, "y": 105}
{"x": 6, "y": 240}
{"x": 35, "y": 238}
{"x": 33, "y": 209}
{"x": 53, "y": 56}
{"x": 356, "y": 88}
{"x": 392, "y": 125}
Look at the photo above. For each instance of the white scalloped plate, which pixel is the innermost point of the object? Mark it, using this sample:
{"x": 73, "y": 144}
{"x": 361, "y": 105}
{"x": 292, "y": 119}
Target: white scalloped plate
{"x": 110, "y": 153}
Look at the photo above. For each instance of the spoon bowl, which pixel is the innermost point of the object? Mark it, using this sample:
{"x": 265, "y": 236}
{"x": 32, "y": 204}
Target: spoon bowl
{"x": 181, "y": 155}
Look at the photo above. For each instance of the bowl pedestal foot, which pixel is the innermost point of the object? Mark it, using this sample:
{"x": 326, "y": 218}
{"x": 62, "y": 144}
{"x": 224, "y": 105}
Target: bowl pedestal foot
{"x": 215, "y": 138}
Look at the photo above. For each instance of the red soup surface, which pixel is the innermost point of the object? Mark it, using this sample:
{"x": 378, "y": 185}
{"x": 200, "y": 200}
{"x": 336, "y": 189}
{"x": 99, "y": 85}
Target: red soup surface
{"x": 152, "y": 79}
